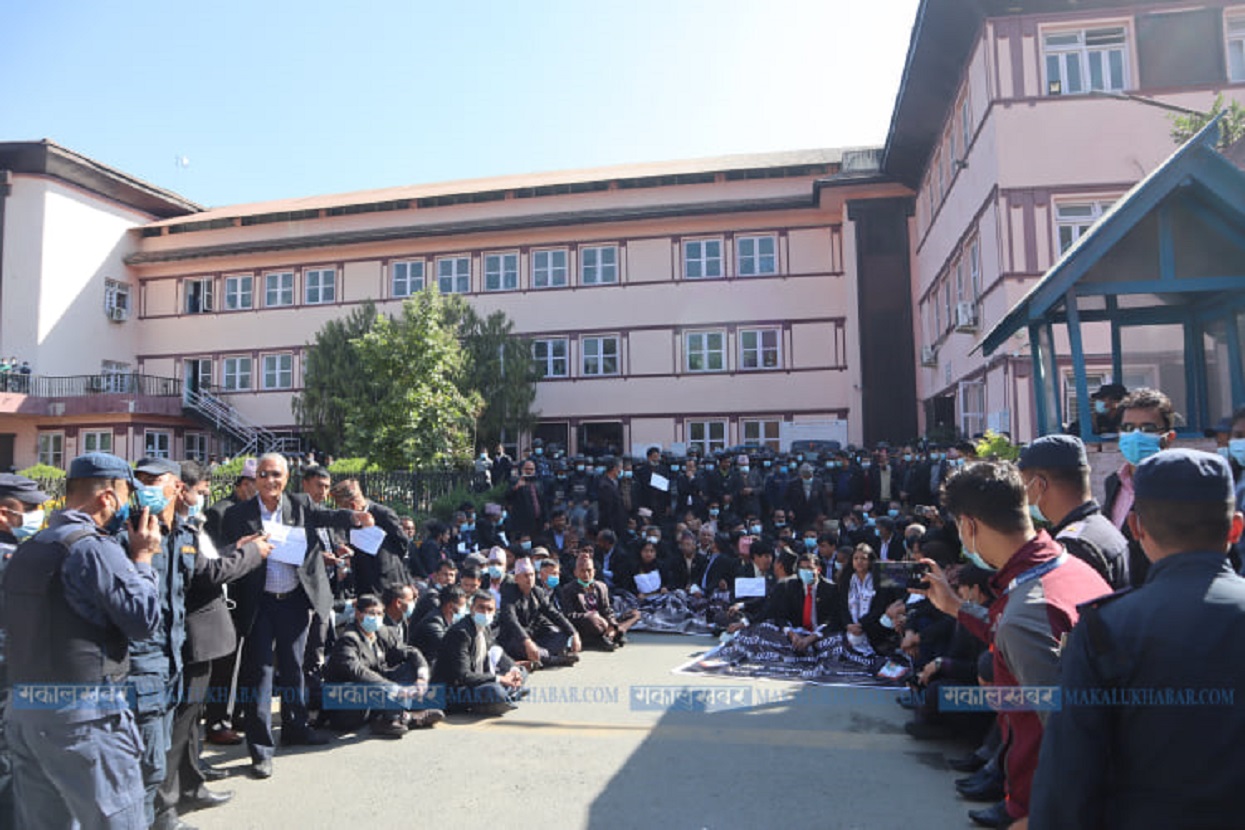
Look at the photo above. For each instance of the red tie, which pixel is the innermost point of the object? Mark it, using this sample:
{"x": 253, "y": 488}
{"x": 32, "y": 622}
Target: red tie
{"x": 808, "y": 609}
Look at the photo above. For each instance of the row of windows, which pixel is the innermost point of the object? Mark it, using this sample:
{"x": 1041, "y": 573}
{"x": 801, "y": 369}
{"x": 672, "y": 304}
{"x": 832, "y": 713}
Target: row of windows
{"x": 157, "y": 443}
{"x": 755, "y": 255}
{"x": 710, "y": 436}
{"x": 703, "y": 352}
{"x": 276, "y": 371}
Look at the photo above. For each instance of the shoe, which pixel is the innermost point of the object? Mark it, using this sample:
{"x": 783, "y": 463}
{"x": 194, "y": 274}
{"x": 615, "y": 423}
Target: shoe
{"x": 993, "y": 816}
{"x": 388, "y": 728}
{"x": 261, "y": 769}
{"x": 309, "y": 738}
{"x": 211, "y": 773}
{"x": 424, "y": 718}
{"x": 169, "y": 820}
{"x": 622, "y": 639}
{"x": 203, "y": 799}
{"x": 990, "y": 790}
{"x": 224, "y": 737}
{"x": 562, "y": 660}
{"x": 607, "y": 644}
{"x": 978, "y": 778}
{"x": 972, "y": 763}
{"x": 928, "y": 731}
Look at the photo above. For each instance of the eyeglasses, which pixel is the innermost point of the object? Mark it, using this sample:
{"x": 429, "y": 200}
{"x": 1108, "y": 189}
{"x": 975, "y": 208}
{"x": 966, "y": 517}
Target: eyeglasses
{"x": 269, "y": 474}
{"x": 1149, "y": 429}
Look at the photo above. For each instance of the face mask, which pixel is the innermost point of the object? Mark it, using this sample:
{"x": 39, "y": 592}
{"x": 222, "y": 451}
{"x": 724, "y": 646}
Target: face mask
{"x": 1236, "y": 449}
{"x": 31, "y": 522}
{"x": 496, "y": 571}
{"x": 1036, "y": 513}
{"x": 893, "y": 513}
{"x": 744, "y": 469}
{"x": 119, "y": 518}
{"x": 799, "y": 458}
{"x": 1100, "y": 407}
{"x": 599, "y": 470}
{"x": 193, "y": 510}
{"x": 780, "y": 524}
{"x": 525, "y": 545}
{"x": 484, "y": 455}
{"x": 783, "y": 469}
{"x": 540, "y": 450}
{"x": 976, "y": 559}
{"x": 587, "y": 583}
{"x": 864, "y": 465}
{"x": 653, "y": 540}
{"x": 408, "y": 609}
{"x": 579, "y": 468}
{"x": 755, "y": 529}
{"x": 552, "y": 582}
{"x": 765, "y": 464}
{"x": 482, "y": 619}
{"x": 887, "y": 622}
{"x": 808, "y": 577}
{"x": 907, "y": 457}
{"x": 627, "y": 473}
{"x": 152, "y": 497}
{"x": 370, "y": 624}
{"x": 674, "y": 468}
{"x": 810, "y": 543}
{"x": 504, "y": 515}
{"x": 830, "y": 465}
{"x": 1137, "y": 446}
{"x": 460, "y": 614}
{"x": 713, "y": 511}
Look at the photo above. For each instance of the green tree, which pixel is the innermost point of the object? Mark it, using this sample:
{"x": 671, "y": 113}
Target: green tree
{"x": 1231, "y": 126}
{"x": 333, "y": 381}
{"x": 417, "y": 414}
{"x": 499, "y": 367}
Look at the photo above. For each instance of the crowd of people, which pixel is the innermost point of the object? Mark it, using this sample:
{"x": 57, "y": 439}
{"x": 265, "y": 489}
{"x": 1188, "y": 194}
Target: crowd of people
{"x": 14, "y": 375}
{"x": 152, "y": 599}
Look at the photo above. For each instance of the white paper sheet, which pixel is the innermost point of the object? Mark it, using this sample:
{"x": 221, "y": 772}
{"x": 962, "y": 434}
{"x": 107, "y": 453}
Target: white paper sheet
{"x": 660, "y": 482}
{"x": 749, "y": 586}
{"x": 649, "y": 582}
{"x": 289, "y": 544}
{"x": 367, "y": 539}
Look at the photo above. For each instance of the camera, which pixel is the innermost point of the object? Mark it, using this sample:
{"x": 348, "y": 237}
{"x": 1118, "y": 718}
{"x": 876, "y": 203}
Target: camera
{"x": 902, "y": 575}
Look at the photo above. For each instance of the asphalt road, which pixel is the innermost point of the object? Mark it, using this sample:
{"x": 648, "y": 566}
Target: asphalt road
{"x": 581, "y": 754}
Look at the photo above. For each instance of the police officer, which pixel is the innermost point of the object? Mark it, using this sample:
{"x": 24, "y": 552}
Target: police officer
{"x": 156, "y": 661}
{"x": 1055, "y": 470}
{"x": 21, "y": 516}
{"x": 73, "y": 600}
{"x": 1151, "y": 732}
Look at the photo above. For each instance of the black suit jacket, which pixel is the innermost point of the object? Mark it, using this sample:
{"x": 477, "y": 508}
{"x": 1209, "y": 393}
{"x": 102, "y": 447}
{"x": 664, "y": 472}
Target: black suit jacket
{"x": 355, "y": 660}
{"x": 530, "y": 615}
{"x": 786, "y": 605}
{"x": 458, "y": 654}
{"x": 805, "y": 509}
{"x": 428, "y": 634}
{"x": 296, "y": 511}
{"x": 574, "y": 606}
{"x": 681, "y": 574}
{"x": 214, "y": 516}
{"x": 523, "y": 518}
{"x": 210, "y": 631}
{"x": 610, "y": 508}
{"x": 372, "y": 574}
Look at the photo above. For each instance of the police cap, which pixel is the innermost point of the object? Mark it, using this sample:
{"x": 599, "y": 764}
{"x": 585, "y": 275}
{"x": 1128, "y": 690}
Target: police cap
{"x": 1054, "y": 452}
{"x": 21, "y": 488}
{"x": 100, "y": 465}
{"x": 1183, "y": 475}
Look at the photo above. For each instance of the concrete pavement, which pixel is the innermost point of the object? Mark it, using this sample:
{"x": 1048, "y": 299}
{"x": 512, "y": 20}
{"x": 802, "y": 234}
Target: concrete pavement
{"x": 580, "y": 754}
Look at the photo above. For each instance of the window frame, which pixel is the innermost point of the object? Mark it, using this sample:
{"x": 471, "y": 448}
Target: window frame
{"x": 761, "y": 439}
{"x": 225, "y": 374}
{"x": 208, "y": 283}
{"x": 756, "y": 257}
{"x": 280, "y": 290}
{"x": 1233, "y": 17}
{"x": 704, "y": 351}
{"x": 408, "y": 279}
{"x": 597, "y": 250}
{"x": 233, "y": 291}
{"x": 760, "y": 349}
{"x": 504, "y": 284}
{"x": 703, "y": 259}
{"x": 200, "y": 454}
{"x": 48, "y": 455}
{"x": 319, "y": 273}
{"x": 263, "y": 374}
{"x": 153, "y": 450}
{"x": 547, "y": 363}
{"x": 117, "y": 295}
{"x": 550, "y": 270}
{"x": 600, "y": 356}
{"x": 707, "y": 443}
{"x": 1083, "y": 50}
{"x": 457, "y": 277}
{"x": 87, "y": 434}
{"x": 1079, "y": 226}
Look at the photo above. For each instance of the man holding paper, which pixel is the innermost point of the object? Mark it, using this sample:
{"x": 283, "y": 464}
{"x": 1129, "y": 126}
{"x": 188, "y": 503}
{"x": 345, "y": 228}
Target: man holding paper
{"x": 382, "y": 546}
{"x": 275, "y": 603}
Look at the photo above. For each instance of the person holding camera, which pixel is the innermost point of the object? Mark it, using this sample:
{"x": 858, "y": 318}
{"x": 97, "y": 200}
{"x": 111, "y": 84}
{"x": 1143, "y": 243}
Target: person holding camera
{"x": 528, "y": 508}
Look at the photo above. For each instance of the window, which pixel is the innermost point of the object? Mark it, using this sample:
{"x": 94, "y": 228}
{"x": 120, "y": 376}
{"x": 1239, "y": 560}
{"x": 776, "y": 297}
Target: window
{"x": 52, "y": 448}
{"x": 1073, "y": 220}
{"x": 320, "y": 286}
{"x": 953, "y": 152}
{"x": 702, "y": 259}
{"x": 199, "y": 298}
{"x": 97, "y": 441}
{"x": 599, "y": 265}
{"x": 239, "y": 292}
{"x": 237, "y": 374}
{"x": 278, "y": 289}
{"x": 707, "y": 436}
{"x": 1235, "y": 27}
{"x": 756, "y": 255}
{"x": 972, "y": 408}
{"x": 600, "y": 356}
{"x": 705, "y": 351}
{"x": 959, "y": 281}
{"x": 278, "y": 371}
{"x": 550, "y": 357}
{"x": 759, "y": 349}
{"x": 549, "y": 268}
{"x": 1093, "y": 380}
{"x": 966, "y": 124}
{"x": 156, "y": 443}
{"x": 763, "y": 433}
{"x": 408, "y": 277}
{"x": 454, "y": 274}
{"x": 196, "y": 446}
{"x": 114, "y": 376}
{"x": 501, "y": 272}
{"x": 1078, "y": 62}
{"x": 117, "y": 299}
{"x": 974, "y": 268}
{"x": 946, "y": 300}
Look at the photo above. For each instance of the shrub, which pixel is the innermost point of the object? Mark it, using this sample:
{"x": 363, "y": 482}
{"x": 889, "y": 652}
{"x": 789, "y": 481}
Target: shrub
{"x": 42, "y": 472}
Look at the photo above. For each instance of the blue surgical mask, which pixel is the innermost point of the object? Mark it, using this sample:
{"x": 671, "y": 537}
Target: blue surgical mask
{"x": 780, "y": 524}
{"x": 1036, "y": 513}
{"x": 783, "y": 468}
{"x": 408, "y": 609}
{"x": 460, "y": 614}
{"x": 674, "y": 468}
{"x": 755, "y": 529}
{"x": 540, "y": 450}
{"x": 195, "y": 509}
{"x": 744, "y": 469}
{"x": 505, "y": 514}
{"x": 907, "y": 457}
{"x": 370, "y": 624}
{"x": 482, "y": 619}
{"x": 31, "y": 522}
{"x": 151, "y": 496}
{"x": 765, "y": 463}
{"x": 627, "y": 473}
{"x": 713, "y": 511}
{"x": 579, "y": 468}
{"x": 587, "y": 583}
{"x": 119, "y": 518}
{"x": 893, "y": 513}
{"x": 810, "y": 543}
{"x": 1236, "y": 449}
{"x": 468, "y": 528}
{"x": 496, "y": 571}
{"x": 552, "y": 582}
{"x": 887, "y": 622}
{"x": 866, "y": 464}
{"x": 1100, "y": 407}
{"x": 525, "y": 545}
{"x": 976, "y": 559}
{"x": 1137, "y": 446}
{"x": 808, "y": 577}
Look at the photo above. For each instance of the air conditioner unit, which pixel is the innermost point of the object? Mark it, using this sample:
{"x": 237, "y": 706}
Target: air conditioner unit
{"x": 929, "y": 356}
{"x": 117, "y": 314}
{"x": 965, "y": 317}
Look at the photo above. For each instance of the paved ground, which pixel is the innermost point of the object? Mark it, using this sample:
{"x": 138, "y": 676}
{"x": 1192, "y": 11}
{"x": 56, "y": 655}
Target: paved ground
{"x": 579, "y": 755}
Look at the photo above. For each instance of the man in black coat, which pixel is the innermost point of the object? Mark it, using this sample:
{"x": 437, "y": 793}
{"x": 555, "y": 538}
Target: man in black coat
{"x": 430, "y": 631}
{"x": 806, "y": 601}
{"x": 610, "y": 505}
{"x": 805, "y": 497}
{"x": 479, "y": 677}
{"x": 275, "y": 603}
{"x": 373, "y": 573}
{"x": 531, "y": 628}
{"x": 528, "y": 509}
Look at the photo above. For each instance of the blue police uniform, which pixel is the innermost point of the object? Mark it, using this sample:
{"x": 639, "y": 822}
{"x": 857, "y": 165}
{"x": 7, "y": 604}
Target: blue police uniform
{"x": 1151, "y": 733}
{"x": 72, "y": 600}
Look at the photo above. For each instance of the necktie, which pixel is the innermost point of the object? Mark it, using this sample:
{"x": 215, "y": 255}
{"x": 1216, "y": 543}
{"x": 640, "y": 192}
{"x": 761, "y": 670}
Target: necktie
{"x": 808, "y": 608}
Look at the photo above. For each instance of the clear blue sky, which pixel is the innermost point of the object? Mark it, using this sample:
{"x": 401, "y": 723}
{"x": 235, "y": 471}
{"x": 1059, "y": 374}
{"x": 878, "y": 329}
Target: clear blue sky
{"x": 270, "y": 99}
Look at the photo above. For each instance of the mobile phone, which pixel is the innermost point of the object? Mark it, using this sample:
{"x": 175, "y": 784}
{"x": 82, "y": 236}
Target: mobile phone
{"x": 902, "y": 575}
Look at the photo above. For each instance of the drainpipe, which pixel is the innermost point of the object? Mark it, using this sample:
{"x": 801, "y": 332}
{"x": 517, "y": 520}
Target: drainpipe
{"x": 6, "y": 187}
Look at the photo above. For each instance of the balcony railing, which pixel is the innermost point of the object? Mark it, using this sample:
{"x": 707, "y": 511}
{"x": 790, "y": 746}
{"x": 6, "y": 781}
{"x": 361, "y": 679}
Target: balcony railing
{"x": 75, "y": 386}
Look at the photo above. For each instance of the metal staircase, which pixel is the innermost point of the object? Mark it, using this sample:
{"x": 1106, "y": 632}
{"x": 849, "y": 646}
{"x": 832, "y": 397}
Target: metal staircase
{"x": 216, "y": 413}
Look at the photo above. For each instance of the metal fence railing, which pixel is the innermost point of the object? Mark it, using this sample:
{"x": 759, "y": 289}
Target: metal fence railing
{"x": 74, "y": 386}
